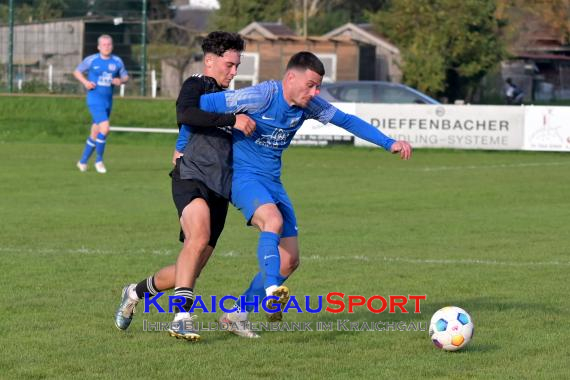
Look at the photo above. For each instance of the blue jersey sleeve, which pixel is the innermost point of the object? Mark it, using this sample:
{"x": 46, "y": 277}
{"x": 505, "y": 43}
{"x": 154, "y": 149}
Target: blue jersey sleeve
{"x": 86, "y": 63}
{"x": 321, "y": 110}
{"x": 122, "y": 70}
{"x": 362, "y": 129}
{"x": 246, "y": 100}
{"x": 183, "y": 136}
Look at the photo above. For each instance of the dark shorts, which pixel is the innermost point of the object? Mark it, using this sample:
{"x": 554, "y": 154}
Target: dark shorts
{"x": 185, "y": 191}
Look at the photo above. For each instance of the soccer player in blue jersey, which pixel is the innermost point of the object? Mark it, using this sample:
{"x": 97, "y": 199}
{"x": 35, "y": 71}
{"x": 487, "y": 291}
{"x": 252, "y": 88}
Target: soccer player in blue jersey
{"x": 279, "y": 109}
{"x": 104, "y": 71}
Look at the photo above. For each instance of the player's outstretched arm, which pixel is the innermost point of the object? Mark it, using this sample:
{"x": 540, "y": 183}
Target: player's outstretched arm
{"x": 188, "y": 110}
{"x": 245, "y": 100}
{"x": 403, "y": 148}
{"x": 362, "y": 129}
{"x": 325, "y": 112}
{"x": 368, "y": 132}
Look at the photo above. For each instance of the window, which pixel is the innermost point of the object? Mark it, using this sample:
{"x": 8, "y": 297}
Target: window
{"x": 248, "y": 71}
{"x": 329, "y": 61}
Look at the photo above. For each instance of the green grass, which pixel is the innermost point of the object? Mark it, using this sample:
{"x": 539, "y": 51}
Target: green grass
{"x": 486, "y": 231}
{"x": 65, "y": 118}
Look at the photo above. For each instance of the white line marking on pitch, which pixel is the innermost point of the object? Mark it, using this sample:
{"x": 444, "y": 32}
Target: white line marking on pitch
{"x": 439, "y": 261}
{"x": 495, "y": 166}
{"x": 234, "y": 254}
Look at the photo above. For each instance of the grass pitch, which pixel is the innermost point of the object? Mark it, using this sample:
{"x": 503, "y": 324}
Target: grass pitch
{"x": 486, "y": 231}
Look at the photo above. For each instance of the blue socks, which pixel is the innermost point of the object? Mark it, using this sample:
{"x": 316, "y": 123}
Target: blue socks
{"x": 268, "y": 275}
{"x": 268, "y": 257}
{"x": 88, "y": 151}
{"x": 256, "y": 289}
{"x": 100, "y": 146}
{"x": 90, "y": 146}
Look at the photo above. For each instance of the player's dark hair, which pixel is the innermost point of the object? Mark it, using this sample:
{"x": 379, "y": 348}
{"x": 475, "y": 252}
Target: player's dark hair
{"x": 219, "y": 42}
{"x": 306, "y": 60}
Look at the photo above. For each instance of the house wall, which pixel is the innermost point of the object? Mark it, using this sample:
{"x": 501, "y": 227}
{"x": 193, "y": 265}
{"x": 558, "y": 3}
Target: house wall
{"x": 171, "y": 77}
{"x": 36, "y": 46}
{"x": 274, "y": 56}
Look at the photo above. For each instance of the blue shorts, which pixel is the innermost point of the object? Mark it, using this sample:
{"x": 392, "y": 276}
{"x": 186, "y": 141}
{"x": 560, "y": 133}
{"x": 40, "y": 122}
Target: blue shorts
{"x": 100, "y": 112}
{"x": 250, "y": 193}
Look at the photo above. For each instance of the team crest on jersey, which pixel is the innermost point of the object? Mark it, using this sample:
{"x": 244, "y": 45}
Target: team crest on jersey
{"x": 293, "y": 123}
{"x": 277, "y": 139}
{"x": 112, "y": 67}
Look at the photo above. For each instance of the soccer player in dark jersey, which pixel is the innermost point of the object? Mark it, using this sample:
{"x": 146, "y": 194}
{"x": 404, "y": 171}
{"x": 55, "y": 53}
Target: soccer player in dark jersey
{"x": 104, "y": 72}
{"x": 279, "y": 109}
{"x": 201, "y": 182}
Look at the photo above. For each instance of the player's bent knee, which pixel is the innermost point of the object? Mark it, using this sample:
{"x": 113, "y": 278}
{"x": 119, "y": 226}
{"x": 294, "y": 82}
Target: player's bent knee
{"x": 268, "y": 218}
{"x": 289, "y": 265}
{"x": 270, "y": 226}
{"x": 197, "y": 243}
{"x": 273, "y": 225}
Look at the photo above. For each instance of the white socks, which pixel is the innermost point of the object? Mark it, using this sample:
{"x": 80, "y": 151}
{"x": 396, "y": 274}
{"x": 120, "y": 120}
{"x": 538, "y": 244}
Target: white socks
{"x": 269, "y": 291}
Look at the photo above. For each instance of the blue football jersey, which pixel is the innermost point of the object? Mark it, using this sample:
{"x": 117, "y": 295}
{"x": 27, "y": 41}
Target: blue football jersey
{"x": 276, "y": 124}
{"x": 101, "y": 72}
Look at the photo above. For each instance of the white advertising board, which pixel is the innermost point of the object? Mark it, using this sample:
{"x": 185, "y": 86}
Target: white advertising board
{"x": 447, "y": 126}
{"x": 312, "y": 128}
{"x": 547, "y": 128}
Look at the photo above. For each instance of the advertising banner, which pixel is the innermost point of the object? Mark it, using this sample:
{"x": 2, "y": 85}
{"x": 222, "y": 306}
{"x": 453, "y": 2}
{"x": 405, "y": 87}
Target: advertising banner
{"x": 313, "y": 130}
{"x": 547, "y": 128}
{"x": 447, "y": 126}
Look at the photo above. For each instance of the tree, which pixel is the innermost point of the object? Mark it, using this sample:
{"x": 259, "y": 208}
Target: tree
{"x": 34, "y": 10}
{"x": 447, "y": 45}
{"x": 524, "y": 19}
{"x": 557, "y": 14}
{"x": 236, "y": 14}
{"x": 332, "y": 13}
{"x": 322, "y": 15}
{"x": 129, "y": 8}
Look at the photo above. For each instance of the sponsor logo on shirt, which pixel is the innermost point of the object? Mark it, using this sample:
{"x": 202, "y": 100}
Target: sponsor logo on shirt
{"x": 277, "y": 139}
{"x": 105, "y": 79}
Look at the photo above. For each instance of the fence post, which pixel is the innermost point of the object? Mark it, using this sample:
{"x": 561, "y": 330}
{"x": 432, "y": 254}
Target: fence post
{"x": 153, "y": 83}
{"x": 50, "y": 77}
{"x": 11, "y": 46}
{"x": 143, "y": 53}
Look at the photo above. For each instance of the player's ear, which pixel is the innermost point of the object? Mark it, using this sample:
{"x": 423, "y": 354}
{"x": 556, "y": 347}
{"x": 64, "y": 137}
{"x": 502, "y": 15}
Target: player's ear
{"x": 290, "y": 75}
{"x": 209, "y": 60}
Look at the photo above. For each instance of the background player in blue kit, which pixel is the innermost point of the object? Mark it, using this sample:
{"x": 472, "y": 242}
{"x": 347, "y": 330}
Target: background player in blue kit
{"x": 104, "y": 71}
{"x": 279, "y": 109}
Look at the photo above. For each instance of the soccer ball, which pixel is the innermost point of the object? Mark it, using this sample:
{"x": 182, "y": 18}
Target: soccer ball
{"x": 451, "y": 328}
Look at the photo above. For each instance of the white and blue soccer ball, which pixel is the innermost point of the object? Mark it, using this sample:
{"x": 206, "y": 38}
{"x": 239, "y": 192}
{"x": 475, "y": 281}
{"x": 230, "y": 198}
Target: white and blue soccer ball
{"x": 451, "y": 328}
